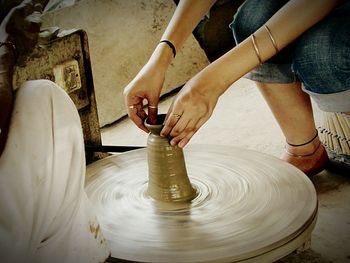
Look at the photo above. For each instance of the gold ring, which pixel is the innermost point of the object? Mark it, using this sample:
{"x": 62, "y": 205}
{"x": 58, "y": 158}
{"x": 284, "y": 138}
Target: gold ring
{"x": 177, "y": 116}
{"x": 132, "y": 107}
{"x": 152, "y": 107}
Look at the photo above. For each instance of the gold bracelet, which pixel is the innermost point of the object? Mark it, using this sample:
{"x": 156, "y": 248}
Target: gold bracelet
{"x": 272, "y": 38}
{"x": 257, "y": 52}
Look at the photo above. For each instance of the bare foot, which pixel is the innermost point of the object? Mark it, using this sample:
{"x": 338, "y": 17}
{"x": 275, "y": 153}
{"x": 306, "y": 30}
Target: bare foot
{"x": 311, "y": 159}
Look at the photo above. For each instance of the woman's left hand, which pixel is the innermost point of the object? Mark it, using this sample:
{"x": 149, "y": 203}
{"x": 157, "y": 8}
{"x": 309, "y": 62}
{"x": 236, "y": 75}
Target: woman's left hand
{"x": 191, "y": 108}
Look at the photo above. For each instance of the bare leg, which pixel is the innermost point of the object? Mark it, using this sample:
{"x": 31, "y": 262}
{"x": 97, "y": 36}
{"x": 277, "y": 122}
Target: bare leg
{"x": 293, "y": 112}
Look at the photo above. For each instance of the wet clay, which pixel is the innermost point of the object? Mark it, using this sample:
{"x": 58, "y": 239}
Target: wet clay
{"x": 167, "y": 175}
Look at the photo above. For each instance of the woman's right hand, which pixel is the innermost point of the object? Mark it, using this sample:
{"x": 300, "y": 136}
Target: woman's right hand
{"x": 147, "y": 85}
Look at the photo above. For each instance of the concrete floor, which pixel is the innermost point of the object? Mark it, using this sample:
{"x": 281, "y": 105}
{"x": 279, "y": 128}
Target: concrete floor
{"x": 242, "y": 119}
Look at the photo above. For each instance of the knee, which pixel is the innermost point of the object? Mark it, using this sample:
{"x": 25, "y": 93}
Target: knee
{"x": 45, "y": 98}
{"x": 251, "y": 15}
{"x": 323, "y": 63}
{"x": 41, "y": 93}
{"x": 39, "y": 89}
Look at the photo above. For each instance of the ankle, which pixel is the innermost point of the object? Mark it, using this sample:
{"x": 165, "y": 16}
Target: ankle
{"x": 311, "y": 163}
{"x": 305, "y": 149}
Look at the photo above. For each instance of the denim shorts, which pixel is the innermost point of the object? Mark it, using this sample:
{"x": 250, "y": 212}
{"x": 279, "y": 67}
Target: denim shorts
{"x": 319, "y": 58}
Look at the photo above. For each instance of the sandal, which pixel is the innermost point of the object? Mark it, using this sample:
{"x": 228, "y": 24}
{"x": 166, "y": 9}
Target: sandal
{"x": 310, "y": 157}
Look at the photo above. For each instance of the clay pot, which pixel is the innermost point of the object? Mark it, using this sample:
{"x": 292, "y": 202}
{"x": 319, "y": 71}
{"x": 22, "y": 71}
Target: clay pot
{"x": 167, "y": 175}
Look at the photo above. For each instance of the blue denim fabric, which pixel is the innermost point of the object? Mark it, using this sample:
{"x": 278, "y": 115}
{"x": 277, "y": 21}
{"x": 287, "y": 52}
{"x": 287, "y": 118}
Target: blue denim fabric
{"x": 320, "y": 58}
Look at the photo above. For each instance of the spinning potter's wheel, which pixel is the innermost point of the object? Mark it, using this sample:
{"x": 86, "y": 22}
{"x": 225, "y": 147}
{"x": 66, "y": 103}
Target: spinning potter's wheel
{"x": 250, "y": 207}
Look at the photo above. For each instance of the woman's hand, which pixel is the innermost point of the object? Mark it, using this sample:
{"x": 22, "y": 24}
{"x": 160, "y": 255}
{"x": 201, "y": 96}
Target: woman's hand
{"x": 191, "y": 108}
{"x": 147, "y": 85}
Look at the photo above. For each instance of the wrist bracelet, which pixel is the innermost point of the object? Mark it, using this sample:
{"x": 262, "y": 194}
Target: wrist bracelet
{"x": 271, "y": 38}
{"x": 256, "y": 49}
{"x": 171, "y": 45}
{"x": 9, "y": 44}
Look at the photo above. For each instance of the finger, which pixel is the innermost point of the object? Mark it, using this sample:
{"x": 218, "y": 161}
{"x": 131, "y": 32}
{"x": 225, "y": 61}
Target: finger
{"x": 182, "y": 139}
{"x": 169, "y": 124}
{"x": 189, "y": 129}
{"x": 182, "y": 130}
{"x": 141, "y": 112}
{"x": 185, "y": 140}
{"x": 182, "y": 126}
{"x": 132, "y": 113}
{"x": 137, "y": 114}
{"x": 152, "y": 114}
{"x": 134, "y": 106}
{"x": 169, "y": 112}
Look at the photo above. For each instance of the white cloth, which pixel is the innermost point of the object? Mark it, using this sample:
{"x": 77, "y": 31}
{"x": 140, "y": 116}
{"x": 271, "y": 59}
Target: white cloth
{"x": 45, "y": 215}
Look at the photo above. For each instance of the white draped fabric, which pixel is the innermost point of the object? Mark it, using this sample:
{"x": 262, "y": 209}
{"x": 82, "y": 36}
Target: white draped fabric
{"x": 45, "y": 215}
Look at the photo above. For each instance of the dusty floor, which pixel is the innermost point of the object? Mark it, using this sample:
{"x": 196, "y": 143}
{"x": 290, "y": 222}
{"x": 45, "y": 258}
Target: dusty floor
{"x": 242, "y": 119}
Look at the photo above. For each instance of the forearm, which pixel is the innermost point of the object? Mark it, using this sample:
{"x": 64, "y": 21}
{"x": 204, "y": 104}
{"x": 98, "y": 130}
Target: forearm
{"x": 186, "y": 17}
{"x": 286, "y": 25}
{"x": 290, "y": 22}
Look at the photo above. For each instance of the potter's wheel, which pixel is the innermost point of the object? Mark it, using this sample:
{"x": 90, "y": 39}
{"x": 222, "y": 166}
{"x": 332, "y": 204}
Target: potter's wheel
{"x": 250, "y": 207}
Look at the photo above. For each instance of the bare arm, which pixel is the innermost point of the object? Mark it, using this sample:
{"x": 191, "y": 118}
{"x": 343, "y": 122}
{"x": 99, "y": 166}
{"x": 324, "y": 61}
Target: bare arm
{"x": 196, "y": 100}
{"x": 149, "y": 82}
{"x": 286, "y": 25}
{"x": 186, "y": 17}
